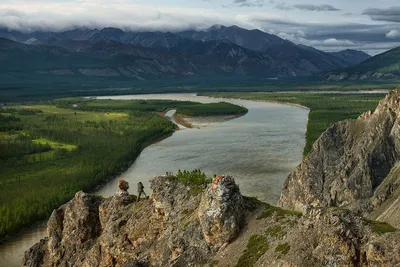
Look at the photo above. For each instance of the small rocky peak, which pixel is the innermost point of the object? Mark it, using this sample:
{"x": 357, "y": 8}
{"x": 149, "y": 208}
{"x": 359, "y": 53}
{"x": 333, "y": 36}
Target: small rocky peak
{"x": 221, "y": 211}
{"x": 169, "y": 196}
{"x": 390, "y": 103}
{"x": 74, "y": 225}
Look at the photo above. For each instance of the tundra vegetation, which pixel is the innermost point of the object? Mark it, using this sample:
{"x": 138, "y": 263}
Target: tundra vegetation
{"x": 51, "y": 150}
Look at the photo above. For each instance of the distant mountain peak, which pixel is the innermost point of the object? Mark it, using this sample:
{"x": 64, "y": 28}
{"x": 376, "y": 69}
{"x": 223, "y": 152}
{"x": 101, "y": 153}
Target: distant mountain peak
{"x": 215, "y": 27}
{"x": 111, "y": 29}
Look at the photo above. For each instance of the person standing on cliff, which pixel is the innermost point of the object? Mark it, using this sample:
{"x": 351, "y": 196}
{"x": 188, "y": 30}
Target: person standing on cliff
{"x": 140, "y": 189}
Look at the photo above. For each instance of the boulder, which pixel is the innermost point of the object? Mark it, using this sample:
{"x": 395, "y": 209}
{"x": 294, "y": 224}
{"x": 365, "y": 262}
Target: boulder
{"x": 221, "y": 211}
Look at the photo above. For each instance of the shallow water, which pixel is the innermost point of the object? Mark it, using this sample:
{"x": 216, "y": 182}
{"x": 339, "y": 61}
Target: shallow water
{"x": 258, "y": 149}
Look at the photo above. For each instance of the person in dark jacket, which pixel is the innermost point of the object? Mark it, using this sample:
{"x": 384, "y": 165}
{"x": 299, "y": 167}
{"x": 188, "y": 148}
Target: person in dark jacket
{"x": 140, "y": 189}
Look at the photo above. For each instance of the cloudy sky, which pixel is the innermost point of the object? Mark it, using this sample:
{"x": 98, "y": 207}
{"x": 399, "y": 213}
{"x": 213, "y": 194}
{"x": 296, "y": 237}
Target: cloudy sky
{"x": 369, "y": 25}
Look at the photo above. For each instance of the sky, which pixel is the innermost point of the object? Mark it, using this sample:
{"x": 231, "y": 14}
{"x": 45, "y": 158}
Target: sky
{"x": 369, "y": 25}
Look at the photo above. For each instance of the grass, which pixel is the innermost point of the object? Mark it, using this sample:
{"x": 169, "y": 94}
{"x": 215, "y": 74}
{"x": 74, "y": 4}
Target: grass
{"x": 54, "y": 145}
{"x": 282, "y": 248}
{"x": 325, "y": 109}
{"x": 79, "y": 115}
{"x": 252, "y": 203}
{"x": 195, "y": 177}
{"x": 207, "y": 262}
{"x": 382, "y": 227}
{"x": 256, "y": 247}
{"x": 280, "y": 213}
{"x": 275, "y": 231}
{"x": 213, "y": 262}
{"x": 5, "y": 135}
{"x": 43, "y": 156}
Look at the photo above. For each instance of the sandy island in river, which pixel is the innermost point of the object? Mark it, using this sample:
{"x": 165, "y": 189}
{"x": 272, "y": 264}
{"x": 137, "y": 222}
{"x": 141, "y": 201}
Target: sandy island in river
{"x": 200, "y": 122}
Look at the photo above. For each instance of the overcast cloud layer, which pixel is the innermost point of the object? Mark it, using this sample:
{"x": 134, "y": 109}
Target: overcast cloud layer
{"x": 369, "y": 25}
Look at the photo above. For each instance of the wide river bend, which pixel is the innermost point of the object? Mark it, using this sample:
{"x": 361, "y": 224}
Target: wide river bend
{"x": 259, "y": 149}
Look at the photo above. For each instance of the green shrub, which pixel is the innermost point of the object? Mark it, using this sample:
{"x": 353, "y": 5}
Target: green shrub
{"x": 382, "y": 227}
{"x": 195, "y": 177}
{"x": 282, "y": 248}
{"x": 256, "y": 247}
{"x": 281, "y": 213}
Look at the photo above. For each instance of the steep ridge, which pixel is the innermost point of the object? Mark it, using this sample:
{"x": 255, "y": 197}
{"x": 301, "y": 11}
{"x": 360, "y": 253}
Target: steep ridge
{"x": 251, "y": 39}
{"x": 300, "y": 58}
{"x": 351, "y": 57}
{"x": 354, "y": 165}
{"x": 184, "y": 225}
{"x": 110, "y": 58}
{"x": 384, "y": 66}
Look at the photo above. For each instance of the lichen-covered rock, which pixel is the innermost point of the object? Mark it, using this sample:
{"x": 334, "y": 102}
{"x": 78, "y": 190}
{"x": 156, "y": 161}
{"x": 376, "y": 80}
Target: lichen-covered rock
{"x": 221, "y": 211}
{"x": 348, "y": 162}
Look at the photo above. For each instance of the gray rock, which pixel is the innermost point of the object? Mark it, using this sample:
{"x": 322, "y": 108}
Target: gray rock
{"x": 221, "y": 212}
{"x": 349, "y": 162}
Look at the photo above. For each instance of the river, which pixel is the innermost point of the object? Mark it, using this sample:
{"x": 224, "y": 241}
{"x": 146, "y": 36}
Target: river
{"x": 258, "y": 149}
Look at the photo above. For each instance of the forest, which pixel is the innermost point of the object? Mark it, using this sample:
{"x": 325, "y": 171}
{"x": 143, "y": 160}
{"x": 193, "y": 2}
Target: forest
{"x": 53, "y": 149}
{"x": 183, "y": 107}
{"x": 325, "y": 108}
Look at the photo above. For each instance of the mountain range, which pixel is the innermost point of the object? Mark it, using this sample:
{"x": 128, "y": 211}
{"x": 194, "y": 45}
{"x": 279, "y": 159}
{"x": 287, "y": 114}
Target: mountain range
{"x": 218, "y": 50}
{"x": 385, "y": 66}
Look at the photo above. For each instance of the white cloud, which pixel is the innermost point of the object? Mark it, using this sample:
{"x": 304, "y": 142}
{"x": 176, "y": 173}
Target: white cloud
{"x": 64, "y": 15}
{"x": 393, "y": 34}
{"x": 323, "y": 30}
{"x": 336, "y": 42}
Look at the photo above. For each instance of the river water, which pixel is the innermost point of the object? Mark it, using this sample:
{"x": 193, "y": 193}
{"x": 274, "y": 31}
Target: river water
{"x": 258, "y": 149}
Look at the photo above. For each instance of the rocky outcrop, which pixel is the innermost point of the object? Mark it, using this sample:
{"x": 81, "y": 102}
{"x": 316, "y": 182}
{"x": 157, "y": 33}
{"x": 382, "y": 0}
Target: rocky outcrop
{"x": 328, "y": 237}
{"x": 125, "y": 197}
{"x": 221, "y": 212}
{"x": 182, "y": 225}
{"x": 349, "y": 163}
{"x": 170, "y": 229}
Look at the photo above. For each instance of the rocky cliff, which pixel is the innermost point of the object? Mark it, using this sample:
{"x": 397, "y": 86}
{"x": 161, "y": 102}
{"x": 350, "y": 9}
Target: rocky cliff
{"x": 352, "y": 166}
{"x": 185, "y": 225}
{"x": 170, "y": 229}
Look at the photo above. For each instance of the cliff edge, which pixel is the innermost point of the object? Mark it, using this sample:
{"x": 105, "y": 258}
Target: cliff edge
{"x": 353, "y": 165}
{"x": 189, "y": 225}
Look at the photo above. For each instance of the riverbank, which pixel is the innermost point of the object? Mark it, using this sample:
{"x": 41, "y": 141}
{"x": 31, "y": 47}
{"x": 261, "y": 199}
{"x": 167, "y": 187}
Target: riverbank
{"x": 181, "y": 119}
{"x": 200, "y": 122}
